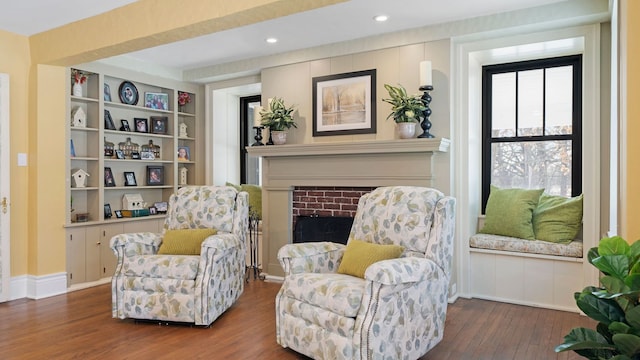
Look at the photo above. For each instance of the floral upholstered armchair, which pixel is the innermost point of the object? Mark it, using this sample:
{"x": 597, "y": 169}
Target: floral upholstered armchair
{"x": 194, "y": 270}
{"x": 397, "y": 308}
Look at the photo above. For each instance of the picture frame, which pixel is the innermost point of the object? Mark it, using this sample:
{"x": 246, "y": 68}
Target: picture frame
{"x": 155, "y": 100}
{"x": 344, "y": 104}
{"x": 108, "y": 121}
{"x": 130, "y": 178}
{"x": 147, "y": 155}
{"x": 159, "y": 124}
{"x": 124, "y": 125}
{"x": 109, "y": 180}
{"x": 107, "y": 92}
{"x": 184, "y": 153}
{"x": 153, "y": 210}
{"x": 161, "y": 206}
{"x": 141, "y": 125}
{"x": 120, "y": 154}
{"x": 155, "y": 175}
{"x": 135, "y": 155}
{"x": 107, "y": 211}
{"x": 72, "y": 150}
{"x": 118, "y": 214}
{"x": 128, "y": 93}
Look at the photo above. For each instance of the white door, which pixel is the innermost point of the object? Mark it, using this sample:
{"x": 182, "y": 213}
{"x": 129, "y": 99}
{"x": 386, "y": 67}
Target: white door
{"x": 5, "y": 276}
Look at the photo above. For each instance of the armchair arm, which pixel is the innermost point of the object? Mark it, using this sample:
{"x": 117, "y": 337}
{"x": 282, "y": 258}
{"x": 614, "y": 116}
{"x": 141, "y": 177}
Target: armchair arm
{"x": 220, "y": 243}
{"x": 145, "y": 243}
{"x": 315, "y": 257}
{"x": 401, "y": 270}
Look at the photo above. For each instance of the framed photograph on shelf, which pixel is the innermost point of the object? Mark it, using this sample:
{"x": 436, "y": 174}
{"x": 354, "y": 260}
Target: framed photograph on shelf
{"x": 147, "y": 155}
{"x": 183, "y": 153}
{"x": 72, "y": 150}
{"x": 130, "y": 178}
{"x": 107, "y": 211}
{"x": 108, "y": 121}
{"x": 135, "y": 155}
{"x": 128, "y": 93}
{"x": 159, "y": 124}
{"x": 155, "y": 100}
{"x": 344, "y": 104}
{"x": 118, "y": 214}
{"x": 153, "y": 210}
{"x": 109, "y": 181}
{"x": 124, "y": 125}
{"x": 141, "y": 125}
{"x": 161, "y": 206}
{"x": 155, "y": 175}
{"x": 107, "y": 92}
{"x": 120, "y": 154}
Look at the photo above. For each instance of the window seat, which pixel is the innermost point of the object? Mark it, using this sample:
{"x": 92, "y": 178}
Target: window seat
{"x": 505, "y": 243}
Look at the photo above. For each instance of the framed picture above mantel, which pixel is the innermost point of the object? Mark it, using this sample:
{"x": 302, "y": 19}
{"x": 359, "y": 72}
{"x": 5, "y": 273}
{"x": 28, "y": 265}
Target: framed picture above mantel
{"x": 344, "y": 104}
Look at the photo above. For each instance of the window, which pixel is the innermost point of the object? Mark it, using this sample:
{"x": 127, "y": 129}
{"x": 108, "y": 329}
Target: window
{"x": 531, "y": 124}
{"x": 249, "y": 166}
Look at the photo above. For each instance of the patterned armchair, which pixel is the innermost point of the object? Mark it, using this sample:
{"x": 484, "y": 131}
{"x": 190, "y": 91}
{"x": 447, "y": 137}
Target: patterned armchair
{"x": 398, "y": 310}
{"x": 184, "y": 288}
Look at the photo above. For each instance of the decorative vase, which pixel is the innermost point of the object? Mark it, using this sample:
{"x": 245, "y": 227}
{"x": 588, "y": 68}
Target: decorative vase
{"x": 406, "y": 130}
{"x": 77, "y": 89}
{"x": 279, "y": 137}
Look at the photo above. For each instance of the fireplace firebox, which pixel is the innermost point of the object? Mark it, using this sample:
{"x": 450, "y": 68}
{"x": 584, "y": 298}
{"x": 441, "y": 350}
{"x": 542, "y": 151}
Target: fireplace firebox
{"x": 322, "y": 228}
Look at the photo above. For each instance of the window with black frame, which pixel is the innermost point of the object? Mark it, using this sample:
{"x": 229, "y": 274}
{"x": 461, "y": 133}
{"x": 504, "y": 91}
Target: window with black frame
{"x": 532, "y": 126}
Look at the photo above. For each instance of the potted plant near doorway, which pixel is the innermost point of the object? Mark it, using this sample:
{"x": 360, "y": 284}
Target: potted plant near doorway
{"x": 278, "y": 118}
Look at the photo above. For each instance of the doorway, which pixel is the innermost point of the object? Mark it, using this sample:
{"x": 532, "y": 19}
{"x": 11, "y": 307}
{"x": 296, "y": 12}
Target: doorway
{"x": 249, "y": 166}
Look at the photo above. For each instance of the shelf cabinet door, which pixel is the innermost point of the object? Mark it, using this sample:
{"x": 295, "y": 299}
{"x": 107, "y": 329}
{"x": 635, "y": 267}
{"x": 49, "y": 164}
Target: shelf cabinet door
{"x": 92, "y": 253}
{"x": 108, "y": 259}
{"x": 76, "y": 260}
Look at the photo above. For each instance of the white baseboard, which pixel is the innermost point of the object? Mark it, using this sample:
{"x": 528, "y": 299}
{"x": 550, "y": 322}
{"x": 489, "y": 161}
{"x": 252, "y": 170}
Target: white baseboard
{"x": 273, "y": 278}
{"x": 38, "y": 287}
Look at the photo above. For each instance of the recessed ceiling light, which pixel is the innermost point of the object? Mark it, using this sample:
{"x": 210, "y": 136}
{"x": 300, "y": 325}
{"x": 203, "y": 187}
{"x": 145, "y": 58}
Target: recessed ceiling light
{"x": 381, "y": 18}
{"x": 271, "y": 40}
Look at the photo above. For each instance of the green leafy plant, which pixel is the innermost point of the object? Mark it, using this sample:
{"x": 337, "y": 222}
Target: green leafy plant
{"x": 278, "y": 117}
{"x": 614, "y": 304}
{"x": 404, "y": 107}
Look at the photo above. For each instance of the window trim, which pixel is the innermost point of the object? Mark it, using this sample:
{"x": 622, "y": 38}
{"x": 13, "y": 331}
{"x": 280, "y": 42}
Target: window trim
{"x": 575, "y": 137}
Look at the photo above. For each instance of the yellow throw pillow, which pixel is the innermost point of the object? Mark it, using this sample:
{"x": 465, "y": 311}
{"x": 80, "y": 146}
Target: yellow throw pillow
{"x": 184, "y": 242}
{"x": 358, "y": 255}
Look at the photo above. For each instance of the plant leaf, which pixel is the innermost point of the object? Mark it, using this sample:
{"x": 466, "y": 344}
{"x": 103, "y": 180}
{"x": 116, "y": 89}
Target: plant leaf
{"x": 633, "y": 316}
{"x": 613, "y": 246}
{"x": 602, "y": 310}
{"x": 592, "y": 254}
{"x": 627, "y": 344}
{"x": 617, "y": 327}
{"x": 614, "y": 265}
{"x": 614, "y": 285}
{"x": 586, "y": 342}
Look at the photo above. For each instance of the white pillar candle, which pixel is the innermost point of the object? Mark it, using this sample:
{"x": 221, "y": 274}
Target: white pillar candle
{"x": 425, "y": 73}
{"x": 257, "y": 119}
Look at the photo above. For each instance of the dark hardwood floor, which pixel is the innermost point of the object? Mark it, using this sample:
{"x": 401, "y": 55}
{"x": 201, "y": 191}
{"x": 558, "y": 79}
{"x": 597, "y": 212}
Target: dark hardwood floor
{"x": 78, "y": 325}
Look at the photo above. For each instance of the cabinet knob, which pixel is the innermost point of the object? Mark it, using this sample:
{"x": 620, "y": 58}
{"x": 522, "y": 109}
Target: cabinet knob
{"x": 98, "y": 243}
{"x": 4, "y": 204}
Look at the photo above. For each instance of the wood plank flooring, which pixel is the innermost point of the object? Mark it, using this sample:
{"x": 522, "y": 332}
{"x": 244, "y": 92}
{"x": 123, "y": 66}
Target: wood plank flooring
{"x": 78, "y": 325}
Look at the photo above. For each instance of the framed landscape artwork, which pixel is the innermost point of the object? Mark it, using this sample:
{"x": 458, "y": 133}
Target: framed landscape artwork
{"x": 344, "y": 104}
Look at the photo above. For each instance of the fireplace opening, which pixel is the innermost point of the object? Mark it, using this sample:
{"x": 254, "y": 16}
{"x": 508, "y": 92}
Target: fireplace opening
{"x": 322, "y": 228}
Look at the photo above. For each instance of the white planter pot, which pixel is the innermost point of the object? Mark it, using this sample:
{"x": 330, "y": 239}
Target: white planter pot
{"x": 406, "y": 130}
{"x": 279, "y": 137}
{"x": 77, "y": 89}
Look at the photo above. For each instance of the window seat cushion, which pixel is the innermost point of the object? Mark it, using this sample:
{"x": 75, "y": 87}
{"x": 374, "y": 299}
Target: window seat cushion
{"x": 505, "y": 243}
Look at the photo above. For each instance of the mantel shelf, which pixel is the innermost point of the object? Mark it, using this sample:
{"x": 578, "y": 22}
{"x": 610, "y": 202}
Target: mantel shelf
{"x": 359, "y": 147}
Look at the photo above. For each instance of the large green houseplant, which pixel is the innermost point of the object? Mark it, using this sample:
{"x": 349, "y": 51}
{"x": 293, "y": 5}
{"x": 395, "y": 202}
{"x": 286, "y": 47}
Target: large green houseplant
{"x": 404, "y": 107}
{"x": 614, "y": 304}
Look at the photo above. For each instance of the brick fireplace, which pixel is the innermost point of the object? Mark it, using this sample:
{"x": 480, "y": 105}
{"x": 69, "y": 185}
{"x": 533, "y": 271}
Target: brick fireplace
{"x": 358, "y": 165}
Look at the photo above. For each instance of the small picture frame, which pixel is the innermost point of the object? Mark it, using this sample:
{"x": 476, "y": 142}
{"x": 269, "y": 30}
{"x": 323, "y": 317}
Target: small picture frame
{"x": 135, "y": 155}
{"x": 155, "y": 175}
{"x": 118, "y": 214}
{"x": 128, "y": 93}
{"x": 107, "y": 211}
{"x": 147, "y": 155}
{"x": 109, "y": 181}
{"x": 155, "y": 100}
{"x": 183, "y": 153}
{"x": 159, "y": 124}
{"x": 125, "y": 125}
{"x": 107, "y": 92}
{"x": 161, "y": 206}
{"x": 72, "y": 150}
{"x": 153, "y": 210}
{"x": 108, "y": 153}
{"x": 120, "y": 154}
{"x": 108, "y": 121}
{"x": 130, "y": 178}
{"x": 141, "y": 125}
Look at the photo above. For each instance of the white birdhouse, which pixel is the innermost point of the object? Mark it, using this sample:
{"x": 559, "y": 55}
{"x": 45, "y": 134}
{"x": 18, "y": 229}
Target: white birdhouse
{"x": 133, "y": 202}
{"x": 183, "y": 130}
{"x": 79, "y": 177}
{"x": 183, "y": 175}
{"x": 78, "y": 117}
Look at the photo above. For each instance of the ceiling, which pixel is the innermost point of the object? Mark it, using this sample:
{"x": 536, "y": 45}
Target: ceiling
{"x": 346, "y": 21}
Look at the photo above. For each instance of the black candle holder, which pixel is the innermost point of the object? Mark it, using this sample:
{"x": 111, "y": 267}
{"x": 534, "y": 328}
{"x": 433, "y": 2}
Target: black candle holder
{"x": 270, "y": 142}
{"x": 258, "y": 137}
{"x": 426, "y": 124}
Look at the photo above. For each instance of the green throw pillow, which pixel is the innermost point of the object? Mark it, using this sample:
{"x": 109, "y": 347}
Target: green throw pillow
{"x": 255, "y": 196}
{"x": 184, "y": 242}
{"x": 358, "y": 255}
{"x": 509, "y": 212}
{"x": 557, "y": 218}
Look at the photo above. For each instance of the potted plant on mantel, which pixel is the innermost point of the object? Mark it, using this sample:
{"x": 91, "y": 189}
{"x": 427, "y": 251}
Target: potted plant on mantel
{"x": 615, "y": 304}
{"x": 405, "y": 110}
{"x": 278, "y": 118}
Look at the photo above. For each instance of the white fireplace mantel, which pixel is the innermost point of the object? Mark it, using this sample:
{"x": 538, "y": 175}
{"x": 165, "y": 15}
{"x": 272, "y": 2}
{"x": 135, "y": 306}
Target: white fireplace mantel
{"x": 362, "y": 163}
